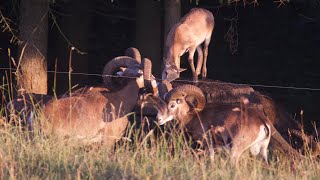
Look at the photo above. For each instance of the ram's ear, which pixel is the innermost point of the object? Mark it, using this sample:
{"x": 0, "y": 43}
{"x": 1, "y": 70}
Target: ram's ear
{"x": 182, "y": 69}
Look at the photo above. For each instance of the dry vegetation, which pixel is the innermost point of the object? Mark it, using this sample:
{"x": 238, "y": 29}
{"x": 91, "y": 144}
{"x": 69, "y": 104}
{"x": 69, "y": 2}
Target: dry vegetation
{"x": 162, "y": 153}
{"x": 44, "y": 157}
{"x": 157, "y": 153}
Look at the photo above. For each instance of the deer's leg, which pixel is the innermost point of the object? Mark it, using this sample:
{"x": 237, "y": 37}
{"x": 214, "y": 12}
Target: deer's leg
{"x": 236, "y": 151}
{"x": 264, "y": 153}
{"x": 190, "y": 59}
{"x": 205, "y": 49}
{"x": 264, "y": 146}
{"x": 200, "y": 59}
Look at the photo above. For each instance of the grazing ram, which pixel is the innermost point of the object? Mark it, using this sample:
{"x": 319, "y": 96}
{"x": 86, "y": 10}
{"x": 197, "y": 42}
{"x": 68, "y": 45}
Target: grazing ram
{"x": 217, "y": 92}
{"x": 25, "y": 105}
{"x": 97, "y": 114}
{"x": 188, "y": 34}
{"x": 187, "y": 105}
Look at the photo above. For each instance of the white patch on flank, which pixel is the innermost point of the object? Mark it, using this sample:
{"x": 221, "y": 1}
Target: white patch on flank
{"x": 261, "y": 143}
{"x": 236, "y": 109}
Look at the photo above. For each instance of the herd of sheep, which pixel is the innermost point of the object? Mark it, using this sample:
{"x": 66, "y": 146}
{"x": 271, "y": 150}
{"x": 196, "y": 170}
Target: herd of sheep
{"x": 231, "y": 115}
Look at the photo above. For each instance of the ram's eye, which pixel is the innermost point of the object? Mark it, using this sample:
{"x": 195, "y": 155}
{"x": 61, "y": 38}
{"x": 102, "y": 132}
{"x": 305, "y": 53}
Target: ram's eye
{"x": 172, "y": 105}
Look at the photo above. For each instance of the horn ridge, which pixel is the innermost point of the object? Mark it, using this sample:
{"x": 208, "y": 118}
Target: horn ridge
{"x": 134, "y": 53}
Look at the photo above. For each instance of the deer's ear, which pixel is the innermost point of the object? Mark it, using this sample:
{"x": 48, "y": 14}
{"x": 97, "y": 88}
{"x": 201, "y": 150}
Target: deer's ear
{"x": 182, "y": 69}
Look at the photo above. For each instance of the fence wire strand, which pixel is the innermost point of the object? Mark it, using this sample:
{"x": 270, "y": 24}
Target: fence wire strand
{"x": 187, "y": 81}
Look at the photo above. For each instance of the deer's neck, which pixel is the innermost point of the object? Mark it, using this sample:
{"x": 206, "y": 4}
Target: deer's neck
{"x": 172, "y": 56}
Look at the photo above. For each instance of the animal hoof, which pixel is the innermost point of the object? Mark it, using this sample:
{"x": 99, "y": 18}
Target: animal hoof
{"x": 204, "y": 73}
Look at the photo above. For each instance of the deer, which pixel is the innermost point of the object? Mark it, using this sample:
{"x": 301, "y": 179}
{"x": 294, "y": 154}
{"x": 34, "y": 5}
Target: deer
{"x": 192, "y": 30}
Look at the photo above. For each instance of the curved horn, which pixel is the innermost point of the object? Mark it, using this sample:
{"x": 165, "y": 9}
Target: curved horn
{"x": 147, "y": 72}
{"x": 147, "y": 69}
{"x": 134, "y": 53}
{"x": 113, "y": 66}
{"x": 186, "y": 91}
{"x": 307, "y": 139}
{"x": 282, "y": 145}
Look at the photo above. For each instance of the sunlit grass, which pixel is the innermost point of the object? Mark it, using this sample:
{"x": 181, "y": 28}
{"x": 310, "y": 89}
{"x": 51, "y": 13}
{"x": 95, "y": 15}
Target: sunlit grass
{"x": 159, "y": 153}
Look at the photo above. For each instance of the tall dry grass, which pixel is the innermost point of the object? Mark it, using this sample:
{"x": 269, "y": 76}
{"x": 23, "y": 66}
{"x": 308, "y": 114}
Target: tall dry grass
{"x": 159, "y": 153}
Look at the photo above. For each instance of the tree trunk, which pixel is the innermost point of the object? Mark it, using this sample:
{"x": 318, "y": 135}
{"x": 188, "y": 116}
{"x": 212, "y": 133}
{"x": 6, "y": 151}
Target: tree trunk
{"x": 172, "y": 14}
{"x": 148, "y": 31}
{"x": 32, "y": 76}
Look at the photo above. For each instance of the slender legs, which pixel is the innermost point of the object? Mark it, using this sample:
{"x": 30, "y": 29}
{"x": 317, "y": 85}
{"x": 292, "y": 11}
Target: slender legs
{"x": 190, "y": 59}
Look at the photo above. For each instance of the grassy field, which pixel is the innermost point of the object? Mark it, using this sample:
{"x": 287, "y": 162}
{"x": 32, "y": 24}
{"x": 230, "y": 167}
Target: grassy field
{"x": 161, "y": 153}
{"x": 142, "y": 156}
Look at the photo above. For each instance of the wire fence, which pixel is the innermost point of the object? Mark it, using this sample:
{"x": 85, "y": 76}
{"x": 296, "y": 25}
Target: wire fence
{"x": 187, "y": 81}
